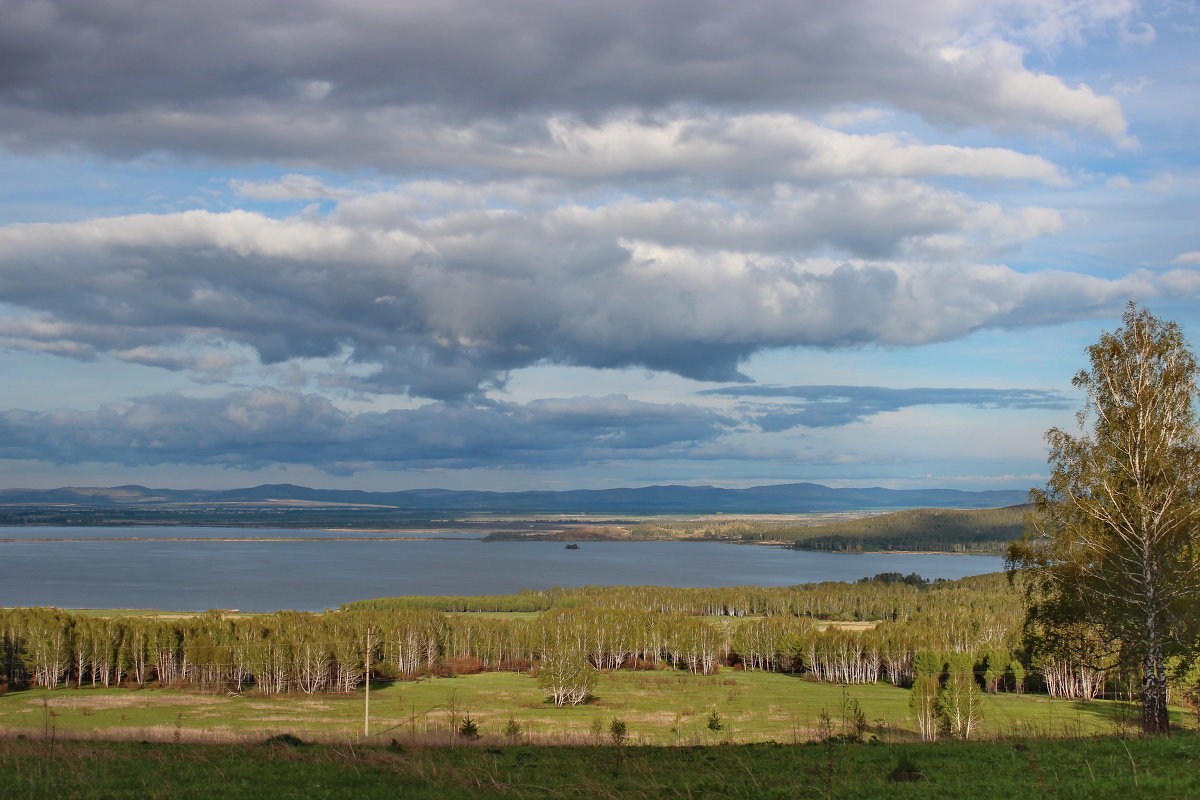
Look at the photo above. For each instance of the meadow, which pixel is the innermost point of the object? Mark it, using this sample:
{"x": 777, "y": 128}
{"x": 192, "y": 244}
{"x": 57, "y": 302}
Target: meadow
{"x": 661, "y": 707}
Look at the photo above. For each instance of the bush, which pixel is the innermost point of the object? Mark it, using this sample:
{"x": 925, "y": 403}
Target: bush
{"x": 464, "y": 665}
{"x": 285, "y": 740}
{"x": 617, "y": 732}
{"x": 906, "y": 771}
{"x": 468, "y": 729}
{"x": 384, "y": 671}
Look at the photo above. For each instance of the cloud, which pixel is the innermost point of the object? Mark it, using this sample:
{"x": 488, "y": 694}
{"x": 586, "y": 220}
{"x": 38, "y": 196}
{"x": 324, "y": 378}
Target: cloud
{"x": 849, "y": 117}
{"x": 340, "y": 84}
{"x": 875, "y": 219}
{"x": 724, "y": 148}
{"x": 439, "y": 301}
{"x": 1032, "y": 101}
{"x": 205, "y": 367}
{"x": 831, "y": 406}
{"x": 1051, "y": 26}
{"x": 288, "y": 187}
{"x": 260, "y": 428}
{"x": 268, "y": 427}
{"x": 1181, "y": 282}
{"x": 1187, "y": 258}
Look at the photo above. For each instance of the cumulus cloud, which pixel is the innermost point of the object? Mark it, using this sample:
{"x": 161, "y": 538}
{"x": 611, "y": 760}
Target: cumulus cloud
{"x": 439, "y": 301}
{"x": 336, "y": 83}
{"x": 831, "y": 406}
{"x": 255, "y": 429}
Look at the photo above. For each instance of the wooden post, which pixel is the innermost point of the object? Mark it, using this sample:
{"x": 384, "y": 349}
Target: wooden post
{"x": 367, "y": 690}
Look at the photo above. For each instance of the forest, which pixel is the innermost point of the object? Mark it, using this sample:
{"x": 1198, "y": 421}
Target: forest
{"x": 890, "y": 627}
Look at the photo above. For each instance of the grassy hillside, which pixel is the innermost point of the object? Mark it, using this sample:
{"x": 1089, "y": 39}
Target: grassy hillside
{"x": 972, "y": 531}
{"x": 1091, "y": 769}
{"x": 935, "y": 529}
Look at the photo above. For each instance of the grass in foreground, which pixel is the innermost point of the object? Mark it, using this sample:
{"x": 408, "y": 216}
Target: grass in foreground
{"x": 1018, "y": 770}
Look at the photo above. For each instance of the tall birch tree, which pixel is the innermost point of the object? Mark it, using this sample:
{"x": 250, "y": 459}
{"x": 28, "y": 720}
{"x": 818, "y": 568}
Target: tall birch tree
{"x": 1113, "y": 542}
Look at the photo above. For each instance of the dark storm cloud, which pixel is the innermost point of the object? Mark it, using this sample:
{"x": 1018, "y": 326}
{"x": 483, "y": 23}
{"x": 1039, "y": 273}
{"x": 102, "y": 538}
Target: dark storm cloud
{"x": 831, "y": 406}
{"x": 311, "y": 81}
{"x": 255, "y": 429}
{"x": 441, "y": 304}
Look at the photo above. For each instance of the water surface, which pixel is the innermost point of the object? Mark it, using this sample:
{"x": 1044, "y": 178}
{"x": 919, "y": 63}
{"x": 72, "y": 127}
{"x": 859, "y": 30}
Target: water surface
{"x": 314, "y": 575}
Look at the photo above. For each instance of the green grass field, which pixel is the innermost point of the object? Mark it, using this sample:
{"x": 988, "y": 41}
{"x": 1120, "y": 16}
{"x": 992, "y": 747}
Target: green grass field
{"x": 658, "y": 707}
{"x": 1076, "y": 769}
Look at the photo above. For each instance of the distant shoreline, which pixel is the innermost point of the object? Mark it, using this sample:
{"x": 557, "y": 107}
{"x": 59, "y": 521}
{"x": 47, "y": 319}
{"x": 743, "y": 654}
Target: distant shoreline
{"x": 253, "y": 539}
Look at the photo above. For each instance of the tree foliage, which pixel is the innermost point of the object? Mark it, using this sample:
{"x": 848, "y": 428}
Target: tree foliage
{"x": 566, "y": 674}
{"x": 601, "y": 628}
{"x": 1112, "y": 544}
{"x": 927, "y": 669}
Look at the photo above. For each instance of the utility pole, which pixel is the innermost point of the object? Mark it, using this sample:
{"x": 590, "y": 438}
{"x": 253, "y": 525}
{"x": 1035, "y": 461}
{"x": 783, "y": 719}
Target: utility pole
{"x": 367, "y": 689}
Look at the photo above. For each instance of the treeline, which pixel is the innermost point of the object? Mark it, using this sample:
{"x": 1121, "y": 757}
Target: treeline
{"x": 309, "y": 653}
{"x": 695, "y": 630}
{"x": 940, "y": 529}
{"x": 983, "y": 595}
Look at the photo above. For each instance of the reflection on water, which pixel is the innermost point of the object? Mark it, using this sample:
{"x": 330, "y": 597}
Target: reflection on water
{"x": 313, "y": 575}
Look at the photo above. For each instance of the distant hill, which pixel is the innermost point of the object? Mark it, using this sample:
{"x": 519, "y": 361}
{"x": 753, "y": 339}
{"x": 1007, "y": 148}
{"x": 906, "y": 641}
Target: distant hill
{"x": 935, "y": 529}
{"x": 778, "y": 498}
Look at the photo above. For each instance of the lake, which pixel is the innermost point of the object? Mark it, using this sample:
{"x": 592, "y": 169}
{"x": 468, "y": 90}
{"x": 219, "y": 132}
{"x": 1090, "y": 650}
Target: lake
{"x": 314, "y": 575}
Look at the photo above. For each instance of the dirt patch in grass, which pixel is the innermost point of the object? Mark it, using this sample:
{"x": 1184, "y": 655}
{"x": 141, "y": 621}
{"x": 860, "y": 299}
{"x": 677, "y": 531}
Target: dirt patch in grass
{"x": 868, "y": 625}
{"x": 133, "y": 699}
{"x": 316, "y": 705}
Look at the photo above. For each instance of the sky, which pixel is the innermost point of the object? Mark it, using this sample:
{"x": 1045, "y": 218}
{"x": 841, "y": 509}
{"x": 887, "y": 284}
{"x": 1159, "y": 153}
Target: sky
{"x": 541, "y": 244}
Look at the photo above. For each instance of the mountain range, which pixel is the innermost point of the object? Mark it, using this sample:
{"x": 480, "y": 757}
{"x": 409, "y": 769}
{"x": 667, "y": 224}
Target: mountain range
{"x": 777, "y": 498}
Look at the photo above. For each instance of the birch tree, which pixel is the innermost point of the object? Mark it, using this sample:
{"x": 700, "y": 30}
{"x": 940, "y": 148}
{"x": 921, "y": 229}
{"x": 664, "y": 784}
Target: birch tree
{"x": 960, "y": 703}
{"x": 566, "y": 674}
{"x": 1113, "y": 541}
{"x": 927, "y": 671}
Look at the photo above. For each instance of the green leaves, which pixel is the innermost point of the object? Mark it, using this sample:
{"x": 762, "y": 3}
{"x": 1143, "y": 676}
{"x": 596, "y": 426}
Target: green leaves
{"x": 1110, "y": 555}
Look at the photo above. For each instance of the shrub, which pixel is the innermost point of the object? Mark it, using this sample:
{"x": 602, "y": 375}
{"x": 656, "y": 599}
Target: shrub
{"x": 464, "y": 665}
{"x": 468, "y": 729}
{"x": 285, "y": 740}
{"x": 906, "y": 771}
